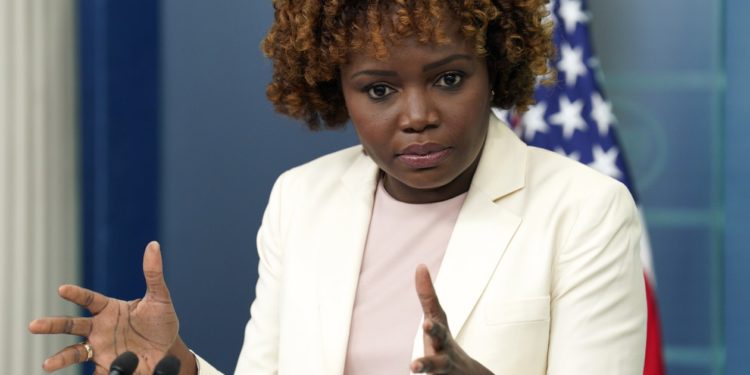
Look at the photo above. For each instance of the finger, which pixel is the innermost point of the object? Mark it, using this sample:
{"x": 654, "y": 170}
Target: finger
{"x": 439, "y": 335}
{"x": 68, "y": 325}
{"x": 153, "y": 271}
{"x": 70, "y": 355}
{"x": 92, "y": 301}
{"x": 427, "y": 296}
{"x": 434, "y": 364}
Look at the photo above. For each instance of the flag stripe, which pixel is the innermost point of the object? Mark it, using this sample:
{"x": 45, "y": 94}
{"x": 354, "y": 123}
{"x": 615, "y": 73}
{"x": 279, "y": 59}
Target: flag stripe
{"x": 654, "y": 364}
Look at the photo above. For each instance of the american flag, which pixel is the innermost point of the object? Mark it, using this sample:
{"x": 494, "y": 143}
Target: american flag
{"x": 574, "y": 118}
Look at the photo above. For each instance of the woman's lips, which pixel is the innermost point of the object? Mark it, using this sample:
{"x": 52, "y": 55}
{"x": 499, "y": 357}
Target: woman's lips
{"x": 423, "y": 156}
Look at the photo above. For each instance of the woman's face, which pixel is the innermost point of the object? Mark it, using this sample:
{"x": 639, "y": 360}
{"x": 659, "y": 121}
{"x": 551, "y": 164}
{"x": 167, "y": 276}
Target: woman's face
{"x": 421, "y": 114}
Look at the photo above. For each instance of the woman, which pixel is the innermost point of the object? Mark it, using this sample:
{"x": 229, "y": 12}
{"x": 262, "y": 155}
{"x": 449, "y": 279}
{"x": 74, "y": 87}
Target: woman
{"x": 535, "y": 256}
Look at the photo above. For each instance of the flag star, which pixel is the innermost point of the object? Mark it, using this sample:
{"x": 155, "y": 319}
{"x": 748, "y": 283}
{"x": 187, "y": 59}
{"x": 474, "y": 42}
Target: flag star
{"x": 572, "y": 64}
{"x": 571, "y": 12}
{"x": 605, "y": 161}
{"x": 533, "y": 121}
{"x": 601, "y": 112}
{"x": 575, "y": 155}
{"x": 569, "y": 117}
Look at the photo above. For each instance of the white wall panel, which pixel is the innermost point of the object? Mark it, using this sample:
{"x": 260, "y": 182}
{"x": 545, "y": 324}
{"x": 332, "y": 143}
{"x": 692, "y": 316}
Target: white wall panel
{"x": 39, "y": 218}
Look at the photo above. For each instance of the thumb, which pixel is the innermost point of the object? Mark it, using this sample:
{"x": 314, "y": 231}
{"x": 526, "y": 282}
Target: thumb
{"x": 426, "y": 293}
{"x": 428, "y": 300}
{"x": 153, "y": 271}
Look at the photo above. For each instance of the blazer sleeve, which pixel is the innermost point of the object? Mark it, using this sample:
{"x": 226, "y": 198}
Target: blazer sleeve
{"x": 205, "y": 368}
{"x": 598, "y": 303}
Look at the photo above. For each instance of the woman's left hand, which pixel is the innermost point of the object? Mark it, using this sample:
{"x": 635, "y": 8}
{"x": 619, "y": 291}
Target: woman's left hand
{"x": 442, "y": 355}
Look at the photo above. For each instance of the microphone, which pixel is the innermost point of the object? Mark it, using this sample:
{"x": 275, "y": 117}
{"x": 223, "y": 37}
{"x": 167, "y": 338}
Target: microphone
{"x": 168, "y": 365}
{"x": 124, "y": 364}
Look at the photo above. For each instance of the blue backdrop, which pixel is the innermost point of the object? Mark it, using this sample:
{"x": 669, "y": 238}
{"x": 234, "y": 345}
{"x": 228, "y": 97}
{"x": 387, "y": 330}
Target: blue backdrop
{"x": 737, "y": 192}
{"x": 120, "y": 104}
{"x": 120, "y": 137}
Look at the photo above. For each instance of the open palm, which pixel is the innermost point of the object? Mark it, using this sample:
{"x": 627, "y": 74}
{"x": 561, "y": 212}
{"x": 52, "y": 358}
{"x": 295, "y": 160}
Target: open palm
{"x": 147, "y": 326}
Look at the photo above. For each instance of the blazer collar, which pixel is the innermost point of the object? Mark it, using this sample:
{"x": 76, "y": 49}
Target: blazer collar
{"x": 502, "y": 167}
{"x": 361, "y": 178}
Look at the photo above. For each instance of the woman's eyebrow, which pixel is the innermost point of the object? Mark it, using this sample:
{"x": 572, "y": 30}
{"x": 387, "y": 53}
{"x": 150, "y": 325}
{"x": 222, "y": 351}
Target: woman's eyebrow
{"x": 427, "y": 67}
{"x": 379, "y": 73}
{"x": 444, "y": 61}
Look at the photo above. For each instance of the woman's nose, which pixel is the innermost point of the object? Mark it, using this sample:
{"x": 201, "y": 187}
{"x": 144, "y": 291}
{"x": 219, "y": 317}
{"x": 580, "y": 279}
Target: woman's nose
{"x": 418, "y": 111}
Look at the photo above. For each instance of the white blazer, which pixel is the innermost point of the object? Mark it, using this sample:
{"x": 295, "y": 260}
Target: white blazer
{"x": 542, "y": 273}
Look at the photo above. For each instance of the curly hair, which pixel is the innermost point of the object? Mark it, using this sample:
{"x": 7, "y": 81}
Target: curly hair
{"x": 311, "y": 39}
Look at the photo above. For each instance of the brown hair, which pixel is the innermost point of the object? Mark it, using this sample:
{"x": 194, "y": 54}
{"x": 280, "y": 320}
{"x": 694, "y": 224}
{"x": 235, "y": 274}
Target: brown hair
{"x": 311, "y": 39}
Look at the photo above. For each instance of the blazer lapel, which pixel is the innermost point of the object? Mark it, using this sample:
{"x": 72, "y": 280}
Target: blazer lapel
{"x": 340, "y": 261}
{"x": 483, "y": 229}
{"x": 476, "y": 246}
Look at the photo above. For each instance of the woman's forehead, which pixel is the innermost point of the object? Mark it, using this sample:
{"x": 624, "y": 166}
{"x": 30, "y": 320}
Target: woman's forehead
{"x": 380, "y": 37}
{"x": 410, "y": 50}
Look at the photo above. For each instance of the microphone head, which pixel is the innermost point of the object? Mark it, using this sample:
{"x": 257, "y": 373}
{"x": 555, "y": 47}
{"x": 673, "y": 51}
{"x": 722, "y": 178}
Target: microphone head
{"x": 124, "y": 364}
{"x": 168, "y": 365}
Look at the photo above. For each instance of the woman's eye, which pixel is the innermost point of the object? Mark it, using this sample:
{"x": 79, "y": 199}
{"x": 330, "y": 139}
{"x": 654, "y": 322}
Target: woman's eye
{"x": 449, "y": 80}
{"x": 379, "y": 91}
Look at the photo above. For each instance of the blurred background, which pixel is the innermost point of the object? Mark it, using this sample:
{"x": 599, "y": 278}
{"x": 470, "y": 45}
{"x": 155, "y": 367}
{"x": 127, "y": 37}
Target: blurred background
{"x": 123, "y": 121}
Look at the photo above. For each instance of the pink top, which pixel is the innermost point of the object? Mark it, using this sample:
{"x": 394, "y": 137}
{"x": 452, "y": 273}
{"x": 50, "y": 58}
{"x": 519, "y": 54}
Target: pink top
{"x": 387, "y": 313}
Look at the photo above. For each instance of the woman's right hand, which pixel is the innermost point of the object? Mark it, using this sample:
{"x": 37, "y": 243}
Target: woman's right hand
{"x": 147, "y": 327}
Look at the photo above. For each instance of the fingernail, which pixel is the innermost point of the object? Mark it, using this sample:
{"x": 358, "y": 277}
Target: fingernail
{"x": 416, "y": 367}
